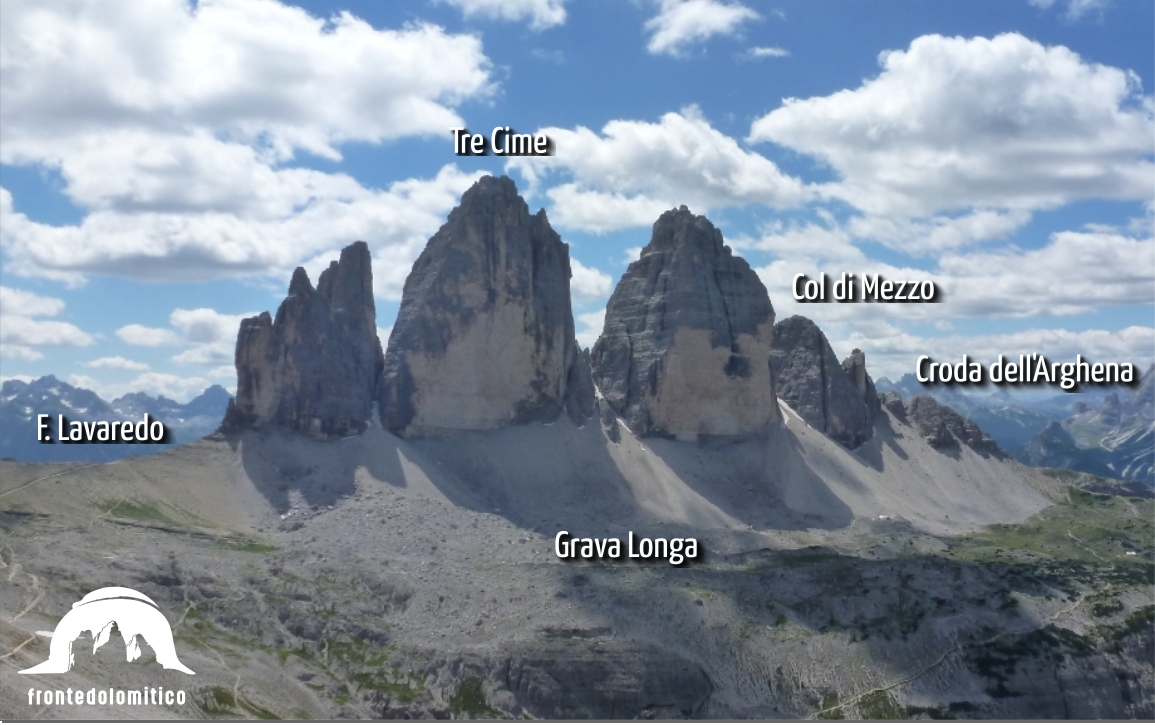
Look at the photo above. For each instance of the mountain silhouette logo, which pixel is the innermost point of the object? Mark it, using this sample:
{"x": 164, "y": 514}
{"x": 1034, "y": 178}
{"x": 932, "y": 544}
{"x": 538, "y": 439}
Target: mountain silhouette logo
{"x": 133, "y": 613}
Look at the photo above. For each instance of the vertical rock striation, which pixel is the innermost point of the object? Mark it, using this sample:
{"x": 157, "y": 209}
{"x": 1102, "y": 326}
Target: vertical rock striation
{"x": 855, "y": 369}
{"x": 484, "y": 338}
{"x": 686, "y": 344}
{"x": 314, "y": 368}
{"x": 830, "y": 397}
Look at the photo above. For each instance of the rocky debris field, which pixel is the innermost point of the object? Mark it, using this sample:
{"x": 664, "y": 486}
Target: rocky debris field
{"x": 384, "y": 601}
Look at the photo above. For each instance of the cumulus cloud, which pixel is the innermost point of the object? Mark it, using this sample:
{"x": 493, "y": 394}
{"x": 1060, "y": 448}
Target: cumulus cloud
{"x": 682, "y": 23}
{"x": 143, "y": 336}
{"x": 952, "y": 124}
{"x": 172, "y": 124}
{"x": 1074, "y": 273}
{"x": 589, "y": 327}
{"x": 116, "y": 363}
{"x": 634, "y": 170}
{"x": 541, "y": 14}
{"x": 261, "y": 73}
{"x": 23, "y": 327}
{"x": 894, "y": 353}
{"x": 589, "y": 283}
{"x": 209, "y": 337}
{"x": 167, "y": 246}
{"x": 175, "y": 387}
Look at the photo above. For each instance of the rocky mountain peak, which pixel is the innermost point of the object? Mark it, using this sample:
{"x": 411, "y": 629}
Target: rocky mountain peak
{"x": 484, "y": 338}
{"x": 855, "y": 368}
{"x": 312, "y": 369}
{"x": 837, "y": 399}
{"x": 686, "y": 342}
{"x": 944, "y": 428}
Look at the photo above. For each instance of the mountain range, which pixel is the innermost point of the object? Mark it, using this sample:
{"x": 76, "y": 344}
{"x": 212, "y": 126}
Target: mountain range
{"x": 21, "y": 402}
{"x": 374, "y": 531}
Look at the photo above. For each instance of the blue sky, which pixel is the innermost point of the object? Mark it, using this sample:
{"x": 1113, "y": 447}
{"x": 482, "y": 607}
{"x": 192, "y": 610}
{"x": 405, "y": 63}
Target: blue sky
{"x": 166, "y": 165}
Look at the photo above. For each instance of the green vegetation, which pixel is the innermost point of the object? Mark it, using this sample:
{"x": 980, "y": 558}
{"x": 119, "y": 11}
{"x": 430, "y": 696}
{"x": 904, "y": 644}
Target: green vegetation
{"x": 221, "y": 701}
{"x": 138, "y": 511}
{"x": 827, "y": 709}
{"x": 880, "y": 705}
{"x": 469, "y": 700}
{"x": 248, "y": 545}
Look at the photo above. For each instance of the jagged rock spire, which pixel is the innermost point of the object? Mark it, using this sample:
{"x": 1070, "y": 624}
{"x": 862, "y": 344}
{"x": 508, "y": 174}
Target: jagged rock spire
{"x": 314, "y": 368}
{"x": 484, "y": 338}
{"x": 686, "y": 343}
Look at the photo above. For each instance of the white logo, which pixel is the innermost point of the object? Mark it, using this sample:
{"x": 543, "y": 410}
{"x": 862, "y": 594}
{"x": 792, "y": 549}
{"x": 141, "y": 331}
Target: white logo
{"x": 132, "y": 612}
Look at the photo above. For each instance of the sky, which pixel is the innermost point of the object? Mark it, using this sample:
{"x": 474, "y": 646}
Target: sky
{"x": 164, "y": 166}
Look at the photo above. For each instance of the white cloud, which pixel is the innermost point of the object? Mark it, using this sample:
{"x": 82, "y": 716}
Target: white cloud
{"x": 1074, "y": 273}
{"x": 768, "y": 52}
{"x": 893, "y": 353}
{"x": 147, "y": 336}
{"x": 259, "y": 72}
{"x": 23, "y": 328}
{"x": 215, "y": 353}
{"x": 209, "y": 336}
{"x": 681, "y": 23}
{"x": 934, "y": 234}
{"x": 589, "y": 327}
{"x": 170, "y": 123}
{"x": 19, "y": 352}
{"x": 205, "y": 245}
{"x": 1077, "y": 272}
{"x": 1075, "y": 8}
{"x": 116, "y": 363}
{"x": 588, "y": 283}
{"x": 541, "y": 13}
{"x": 204, "y": 325}
{"x": 635, "y": 170}
{"x": 179, "y": 388}
{"x": 1001, "y": 123}
{"x": 21, "y": 303}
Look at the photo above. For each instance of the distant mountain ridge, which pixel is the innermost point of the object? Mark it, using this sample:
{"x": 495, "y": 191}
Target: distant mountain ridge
{"x": 21, "y": 402}
{"x": 1115, "y": 439}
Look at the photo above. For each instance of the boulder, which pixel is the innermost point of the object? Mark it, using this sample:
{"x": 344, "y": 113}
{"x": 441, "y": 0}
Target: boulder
{"x": 686, "y": 344}
{"x": 810, "y": 379}
{"x": 484, "y": 338}
{"x": 312, "y": 369}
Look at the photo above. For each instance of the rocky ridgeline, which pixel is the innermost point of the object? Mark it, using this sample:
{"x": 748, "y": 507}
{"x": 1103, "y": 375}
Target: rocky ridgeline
{"x": 837, "y": 399}
{"x": 943, "y": 428}
{"x": 686, "y": 345}
{"x": 314, "y": 368}
{"x": 484, "y": 338}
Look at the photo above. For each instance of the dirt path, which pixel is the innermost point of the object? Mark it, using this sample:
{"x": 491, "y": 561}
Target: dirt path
{"x": 51, "y": 475}
{"x": 942, "y": 658}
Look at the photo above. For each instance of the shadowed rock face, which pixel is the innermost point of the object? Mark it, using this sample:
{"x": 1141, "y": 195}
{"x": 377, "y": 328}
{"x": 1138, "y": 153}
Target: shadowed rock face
{"x": 314, "y": 368}
{"x": 824, "y": 393}
{"x": 944, "y": 428}
{"x": 484, "y": 338}
{"x": 686, "y": 343}
{"x": 855, "y": 369}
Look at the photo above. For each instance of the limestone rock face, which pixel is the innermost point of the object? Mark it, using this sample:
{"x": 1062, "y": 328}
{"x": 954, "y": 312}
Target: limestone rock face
{"x": 686, "y": 344}
{"x": 855, "y": 369}
{"x": 484, "y": 338}
{"x": 313, "y": 369}
{"x": 944, "y": 428}
{"x": 810, "y": 379}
